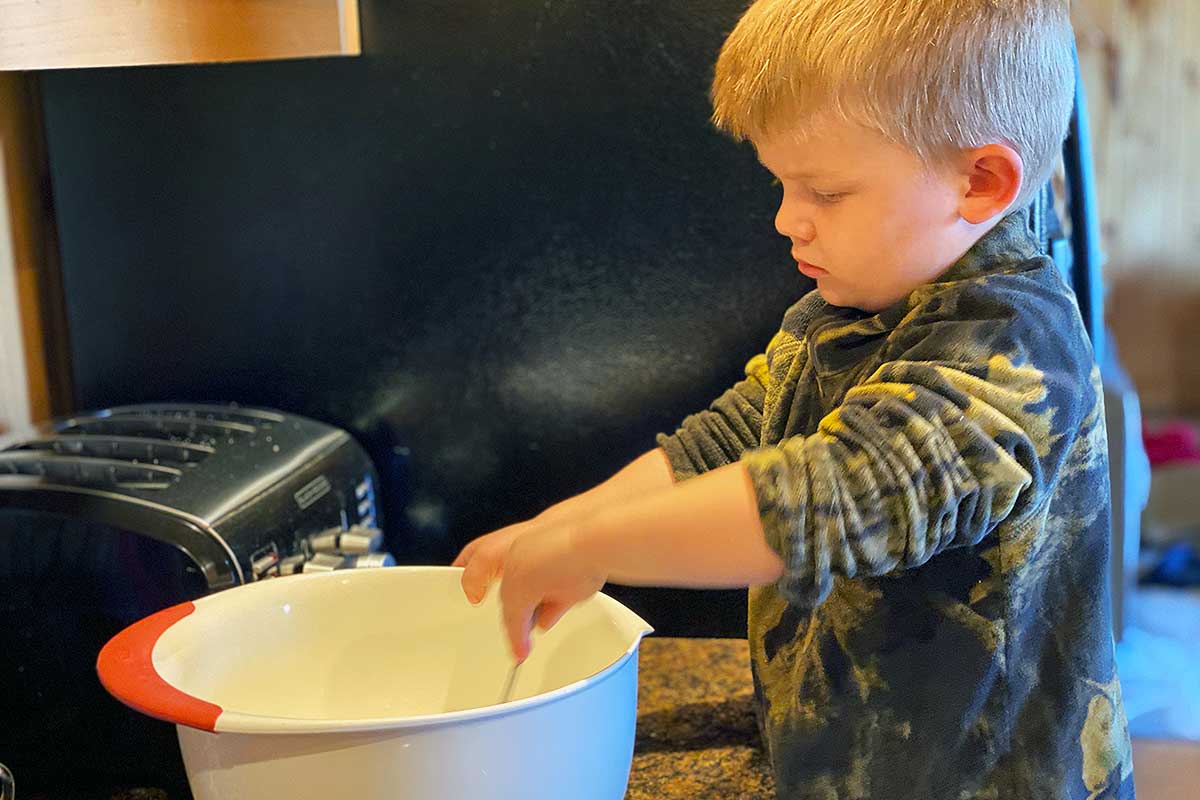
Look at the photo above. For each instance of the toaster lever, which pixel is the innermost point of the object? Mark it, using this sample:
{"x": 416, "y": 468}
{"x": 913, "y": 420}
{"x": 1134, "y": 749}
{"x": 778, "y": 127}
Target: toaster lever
{"x": 264, "y": 563}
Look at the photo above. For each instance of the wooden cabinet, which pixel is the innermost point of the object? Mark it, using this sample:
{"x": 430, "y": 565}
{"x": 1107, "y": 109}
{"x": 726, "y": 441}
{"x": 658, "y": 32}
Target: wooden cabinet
{"x": 53, "y": 34}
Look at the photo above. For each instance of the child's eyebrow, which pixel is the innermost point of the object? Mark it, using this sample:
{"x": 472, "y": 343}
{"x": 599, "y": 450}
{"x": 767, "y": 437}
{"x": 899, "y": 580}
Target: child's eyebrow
{"x": 805, "y": 176}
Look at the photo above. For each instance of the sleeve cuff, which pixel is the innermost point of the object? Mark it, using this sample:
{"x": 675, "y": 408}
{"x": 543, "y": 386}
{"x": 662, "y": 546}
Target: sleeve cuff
{"x": 682, "y": 467}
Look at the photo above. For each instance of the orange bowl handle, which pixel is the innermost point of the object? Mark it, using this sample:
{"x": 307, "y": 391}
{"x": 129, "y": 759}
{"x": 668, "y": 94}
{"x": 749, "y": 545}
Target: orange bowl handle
{"x": 126, "y": 670}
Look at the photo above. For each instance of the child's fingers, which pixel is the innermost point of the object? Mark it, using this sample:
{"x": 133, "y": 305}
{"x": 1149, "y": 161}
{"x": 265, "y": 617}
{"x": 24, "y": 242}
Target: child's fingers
{"x": 479, "y": 572}
{"x": 465, "y": 555}
{"x": 518, "y": 624}
{"x": 549, "y": 613}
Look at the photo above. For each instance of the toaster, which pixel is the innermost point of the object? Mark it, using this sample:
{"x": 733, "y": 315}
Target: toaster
{"x": 109, "y": 516}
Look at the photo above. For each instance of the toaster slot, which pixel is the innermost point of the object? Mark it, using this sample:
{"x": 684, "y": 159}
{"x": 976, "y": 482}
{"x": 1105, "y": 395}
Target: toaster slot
{"x": 88, "y": 471}
{"x": 218, "y": 413}
{"x": 188, "y": 428}
{"x": 125, "y": 448}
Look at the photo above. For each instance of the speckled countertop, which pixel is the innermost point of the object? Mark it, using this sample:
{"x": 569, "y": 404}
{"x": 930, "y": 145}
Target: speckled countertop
{"x": 696, "y": 733}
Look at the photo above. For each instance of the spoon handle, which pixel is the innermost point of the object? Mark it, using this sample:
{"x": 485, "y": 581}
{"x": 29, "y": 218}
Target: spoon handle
{"x": 506, "y": 695}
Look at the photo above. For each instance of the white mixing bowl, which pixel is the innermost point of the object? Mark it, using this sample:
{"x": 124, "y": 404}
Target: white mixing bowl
{"x": 383, "y": 683}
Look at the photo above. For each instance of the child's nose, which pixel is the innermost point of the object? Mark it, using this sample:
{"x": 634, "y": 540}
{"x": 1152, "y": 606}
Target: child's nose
{"x": 795, "y": 225}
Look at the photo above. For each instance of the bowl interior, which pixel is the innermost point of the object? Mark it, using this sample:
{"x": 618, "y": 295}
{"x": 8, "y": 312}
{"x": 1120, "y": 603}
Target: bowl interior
{"x": 375, "y": 644}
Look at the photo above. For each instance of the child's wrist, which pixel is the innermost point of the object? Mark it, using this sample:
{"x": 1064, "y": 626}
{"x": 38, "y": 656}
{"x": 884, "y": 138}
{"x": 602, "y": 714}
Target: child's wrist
{"x": 585, "y": 543}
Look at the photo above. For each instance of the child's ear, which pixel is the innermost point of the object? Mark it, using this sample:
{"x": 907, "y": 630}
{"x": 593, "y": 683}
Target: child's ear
{"x": 993, "y": 175}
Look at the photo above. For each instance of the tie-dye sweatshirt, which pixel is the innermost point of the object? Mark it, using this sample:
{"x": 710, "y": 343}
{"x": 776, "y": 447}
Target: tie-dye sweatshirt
{"x": 935, "y": 479}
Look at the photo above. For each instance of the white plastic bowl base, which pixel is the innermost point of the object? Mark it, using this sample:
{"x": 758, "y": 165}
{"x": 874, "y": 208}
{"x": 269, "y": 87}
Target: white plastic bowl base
{"x": 577, "y": 747}
{"x": 385, "y": 684}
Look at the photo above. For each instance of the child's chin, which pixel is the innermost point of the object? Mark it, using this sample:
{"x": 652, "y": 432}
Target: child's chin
{"x": 833, "y": 296}
{"x": 843, "y": 300}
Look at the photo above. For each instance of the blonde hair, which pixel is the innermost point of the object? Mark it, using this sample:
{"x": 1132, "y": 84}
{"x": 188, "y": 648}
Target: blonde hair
{"x": 932, "y": 75}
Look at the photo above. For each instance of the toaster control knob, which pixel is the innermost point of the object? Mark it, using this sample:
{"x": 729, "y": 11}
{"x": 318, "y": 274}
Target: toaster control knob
{"x": 292, "y": 564}
{"x": 324, "y": 562}
{"x": 360, "y": 540}
{"x": 325, "y": 541}
{"x": 352, "y": 542}
{"x": 368, "y": 560}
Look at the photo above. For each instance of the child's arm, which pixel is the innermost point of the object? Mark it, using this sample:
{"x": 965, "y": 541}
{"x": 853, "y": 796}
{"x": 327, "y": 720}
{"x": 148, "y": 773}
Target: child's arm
{"x": 703, "y": 532}
{"x": 648, "y": 472}
{"x": 483, "y": 557}
{"x": 918, "y": 459}
{"x": 709, "y": 439}
{"x": 925, "y": 455}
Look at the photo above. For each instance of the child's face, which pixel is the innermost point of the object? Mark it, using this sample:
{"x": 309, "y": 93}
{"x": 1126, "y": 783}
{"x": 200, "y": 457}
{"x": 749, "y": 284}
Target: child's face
{"x": 866, "y": 218}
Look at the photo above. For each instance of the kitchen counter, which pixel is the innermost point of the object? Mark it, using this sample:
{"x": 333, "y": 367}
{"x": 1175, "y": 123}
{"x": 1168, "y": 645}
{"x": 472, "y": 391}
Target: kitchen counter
{"x": 696, "y": 734}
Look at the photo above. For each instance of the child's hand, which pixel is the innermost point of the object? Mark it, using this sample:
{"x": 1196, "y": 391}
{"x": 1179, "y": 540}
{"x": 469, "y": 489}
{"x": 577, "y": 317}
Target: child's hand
{"x": 544, "y": 575}
{"x": 483, "y": 559}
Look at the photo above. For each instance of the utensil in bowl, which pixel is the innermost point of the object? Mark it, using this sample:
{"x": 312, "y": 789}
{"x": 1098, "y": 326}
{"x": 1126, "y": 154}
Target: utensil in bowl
{"x": 506, "y": 695}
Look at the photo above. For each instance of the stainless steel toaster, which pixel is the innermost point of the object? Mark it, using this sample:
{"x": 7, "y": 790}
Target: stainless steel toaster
{"x": 111, "y": 515}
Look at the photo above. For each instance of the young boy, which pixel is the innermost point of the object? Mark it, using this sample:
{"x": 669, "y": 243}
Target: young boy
{"x": 912, "y": 479}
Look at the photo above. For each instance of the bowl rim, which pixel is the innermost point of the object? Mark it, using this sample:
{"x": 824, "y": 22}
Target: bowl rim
{"x": 126, "y": 670}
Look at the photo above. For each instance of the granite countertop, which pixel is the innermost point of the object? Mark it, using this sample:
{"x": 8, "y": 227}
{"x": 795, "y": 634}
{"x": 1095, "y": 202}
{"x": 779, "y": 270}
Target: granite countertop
{"x": 696, "y": 733}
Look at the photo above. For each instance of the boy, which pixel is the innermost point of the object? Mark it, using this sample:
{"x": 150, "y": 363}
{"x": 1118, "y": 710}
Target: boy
{"x": 912, "y": 479}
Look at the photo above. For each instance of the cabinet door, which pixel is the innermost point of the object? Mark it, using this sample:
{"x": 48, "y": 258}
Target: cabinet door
{"x": 52, "y": 34}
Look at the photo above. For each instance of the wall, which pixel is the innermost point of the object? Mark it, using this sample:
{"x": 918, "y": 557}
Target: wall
{"x": 1141, "y": 67}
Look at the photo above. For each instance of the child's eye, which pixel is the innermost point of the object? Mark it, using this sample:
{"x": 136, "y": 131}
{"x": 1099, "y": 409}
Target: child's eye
{"x": 827, "y": 198}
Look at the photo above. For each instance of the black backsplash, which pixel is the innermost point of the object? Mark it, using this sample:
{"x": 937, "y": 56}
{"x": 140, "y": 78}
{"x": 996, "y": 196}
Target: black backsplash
{"x": 504, "y": 247}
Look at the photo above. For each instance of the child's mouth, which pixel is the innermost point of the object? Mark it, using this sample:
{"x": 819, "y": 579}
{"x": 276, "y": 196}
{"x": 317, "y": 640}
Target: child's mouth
{"x": 811, "y": 270}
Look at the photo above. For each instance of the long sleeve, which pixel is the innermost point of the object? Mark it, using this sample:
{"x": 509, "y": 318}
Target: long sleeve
{"x": 734, "y": 423}
{"x": 920, "y": 457}
{"x": 719, "y": 435}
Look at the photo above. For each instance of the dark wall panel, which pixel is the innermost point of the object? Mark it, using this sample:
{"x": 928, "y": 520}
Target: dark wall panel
{"x": 504, "y": 247}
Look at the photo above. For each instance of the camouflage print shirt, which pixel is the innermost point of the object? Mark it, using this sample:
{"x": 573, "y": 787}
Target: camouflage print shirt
{"x": 935, "y": 479}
